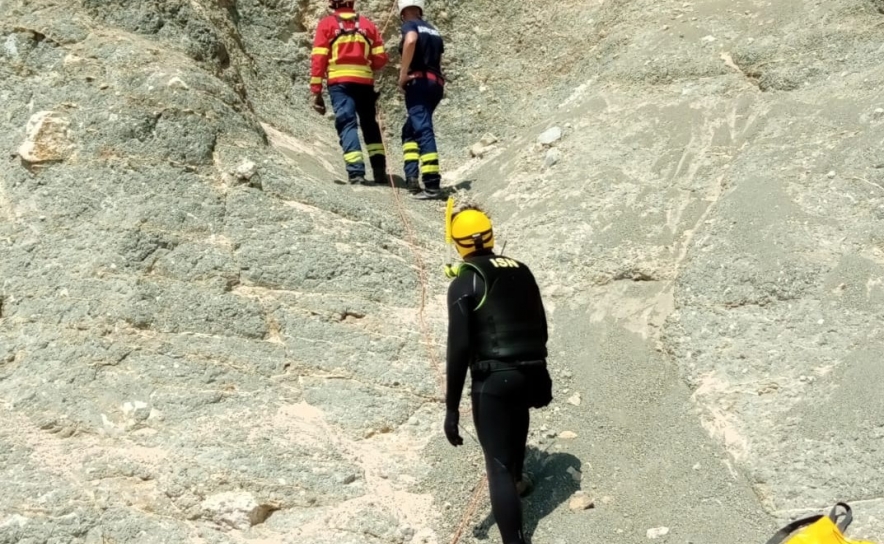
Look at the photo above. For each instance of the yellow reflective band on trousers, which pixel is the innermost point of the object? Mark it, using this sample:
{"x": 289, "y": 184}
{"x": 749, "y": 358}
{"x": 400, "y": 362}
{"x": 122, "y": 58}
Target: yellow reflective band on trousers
{"x": 430, "y": 157}
{"x": 429, "y": 169}
{"x": 353, "y": 157}
{"x": 410, "y": 151}
{"x": 375, "y": 149}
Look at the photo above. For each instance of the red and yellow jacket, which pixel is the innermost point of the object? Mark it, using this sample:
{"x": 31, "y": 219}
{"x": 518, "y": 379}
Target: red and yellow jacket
{"x": 347, "y": 48}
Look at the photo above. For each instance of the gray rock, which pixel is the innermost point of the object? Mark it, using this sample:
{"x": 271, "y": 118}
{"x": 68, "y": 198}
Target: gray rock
{"x": 550, "y": 136}
{"x": 552, "y": 157}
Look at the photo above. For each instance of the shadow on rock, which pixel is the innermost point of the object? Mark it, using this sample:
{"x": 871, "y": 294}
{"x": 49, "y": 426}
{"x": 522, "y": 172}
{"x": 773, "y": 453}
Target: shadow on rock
{"x": 466, "y": 185}
{"x": 554, "y": 483}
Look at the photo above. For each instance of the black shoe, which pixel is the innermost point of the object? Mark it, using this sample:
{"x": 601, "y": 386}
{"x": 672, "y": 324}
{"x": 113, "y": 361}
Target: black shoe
{"x": 357, "y": 179}
{"x": 381, "y": 177}
{"x": 428, "y": 194}
{"x": 413, "y": 185}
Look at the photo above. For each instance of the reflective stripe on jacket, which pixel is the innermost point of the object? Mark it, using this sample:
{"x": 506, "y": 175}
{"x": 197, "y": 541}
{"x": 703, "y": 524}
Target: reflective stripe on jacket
{"x": 347, "y": 48}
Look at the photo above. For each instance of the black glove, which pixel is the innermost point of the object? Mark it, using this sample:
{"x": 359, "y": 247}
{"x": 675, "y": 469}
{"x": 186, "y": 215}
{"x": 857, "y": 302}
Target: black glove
{"x": 319, "y": 103}
{"x": 452, "y": 418}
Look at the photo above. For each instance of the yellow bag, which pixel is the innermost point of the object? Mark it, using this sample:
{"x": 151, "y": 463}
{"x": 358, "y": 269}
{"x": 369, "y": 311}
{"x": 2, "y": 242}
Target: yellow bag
{"x": 819, "y": 529}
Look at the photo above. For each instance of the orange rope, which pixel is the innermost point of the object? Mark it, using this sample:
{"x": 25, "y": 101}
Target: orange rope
{"x": 422, "y": 278}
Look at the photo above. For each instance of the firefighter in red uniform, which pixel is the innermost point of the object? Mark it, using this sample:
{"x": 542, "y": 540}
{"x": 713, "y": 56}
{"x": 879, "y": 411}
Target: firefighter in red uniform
{"x": 347, "y": 50}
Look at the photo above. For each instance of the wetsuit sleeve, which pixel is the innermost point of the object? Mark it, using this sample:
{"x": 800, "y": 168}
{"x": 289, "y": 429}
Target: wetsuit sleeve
{"x": 462, "y": 301}
{"x": 378, "y": 55}
{"x": 319, "y": 58}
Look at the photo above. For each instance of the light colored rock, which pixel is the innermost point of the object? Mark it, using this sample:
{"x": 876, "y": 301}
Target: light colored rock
{"x": 237, "y": 510}
{"x": 657, "y": 532}
{"x": 568, "y": 435}
{"x": 574, "y": 399}
{"x": 580, "y": 501}
{"x": 246, "y": 170}
{"x": 47, "y": 138}
{"x": 553, "y": 156}
{"x": 550, "y": 136}
{"x": 489, "y": 139}
{"x": 478, "y": 150}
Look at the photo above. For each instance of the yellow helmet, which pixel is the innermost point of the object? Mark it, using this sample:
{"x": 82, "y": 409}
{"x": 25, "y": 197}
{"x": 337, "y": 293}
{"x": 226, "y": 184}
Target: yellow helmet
{"x": 470, "y": 230}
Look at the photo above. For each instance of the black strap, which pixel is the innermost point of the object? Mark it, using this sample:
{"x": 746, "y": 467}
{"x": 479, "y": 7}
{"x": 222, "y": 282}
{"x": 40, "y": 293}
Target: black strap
{"x": 842, "y": 525}
{"x": 784, "y": 533}
{"x": 497, "y": 366}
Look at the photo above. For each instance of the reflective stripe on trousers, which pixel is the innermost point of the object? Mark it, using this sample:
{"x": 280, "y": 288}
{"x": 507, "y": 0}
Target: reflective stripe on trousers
{"x": 421, "y": 157}
{"x": 354, "y": 106}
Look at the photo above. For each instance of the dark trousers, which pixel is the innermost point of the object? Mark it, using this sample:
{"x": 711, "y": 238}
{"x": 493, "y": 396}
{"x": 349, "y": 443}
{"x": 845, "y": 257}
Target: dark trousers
{"x": 349, "y": 102}
{"x": 500, "y": 413}
{"x": 418, "y": 137}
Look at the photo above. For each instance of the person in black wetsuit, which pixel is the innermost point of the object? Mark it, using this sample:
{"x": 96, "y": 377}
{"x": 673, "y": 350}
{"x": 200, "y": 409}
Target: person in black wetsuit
{"x": 496, "y": 328}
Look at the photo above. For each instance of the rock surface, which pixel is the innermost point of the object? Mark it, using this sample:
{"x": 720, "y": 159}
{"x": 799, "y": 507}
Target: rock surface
{"x": 204, "y": 339}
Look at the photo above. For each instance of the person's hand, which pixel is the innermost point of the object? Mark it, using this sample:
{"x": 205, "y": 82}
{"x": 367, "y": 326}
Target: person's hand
{"x": 452, "y": 418}
{"x": 403, "y": 81}
{"x": 319, "y": 103}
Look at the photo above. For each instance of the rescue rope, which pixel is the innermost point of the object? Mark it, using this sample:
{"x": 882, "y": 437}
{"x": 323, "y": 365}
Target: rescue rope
{"x": 411, "y": 241}
{"x": 424, "y": 288}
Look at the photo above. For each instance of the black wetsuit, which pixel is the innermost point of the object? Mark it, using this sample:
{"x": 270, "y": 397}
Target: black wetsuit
{"x": 505, "y": 325}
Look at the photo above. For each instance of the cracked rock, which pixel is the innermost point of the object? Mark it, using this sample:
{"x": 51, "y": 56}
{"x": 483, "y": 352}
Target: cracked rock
{"x": 235, "y": 510}
{"x": 47, "y": 138}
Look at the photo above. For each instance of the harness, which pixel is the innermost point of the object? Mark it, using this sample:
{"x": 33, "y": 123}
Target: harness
{"x": 487, "y": 367}
{"x": 342, "y": 30}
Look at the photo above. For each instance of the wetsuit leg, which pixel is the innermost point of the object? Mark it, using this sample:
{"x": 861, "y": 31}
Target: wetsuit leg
{"x": 501, "y": 418}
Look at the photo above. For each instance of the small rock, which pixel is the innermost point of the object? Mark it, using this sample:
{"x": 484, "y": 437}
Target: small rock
{"x": 246, "y": 170}
{"x": 879, "y": 112}
{"x": 551, "y": 434}
{"x": 568, "y": 435}
{"x": 553, "y": 156}
{"x": 708, "y": 39}
{"x": 831, "y": 174}
{"x": 349, "y": 479}
{"x": 550, "y": 136}
{"x": 574, "y": 399}
{"x": 478, "y": 150}
{"x": 697, "y": 466}
{"x": 657, "y": 532}
{"x": 405, "y": 533}
{"x": 607, "y": 500}
{"x": 580, "y": 501}
{"x": 237, "y": 510}
{"x": 489, "y": 139}
{"x": 47, "y": 138}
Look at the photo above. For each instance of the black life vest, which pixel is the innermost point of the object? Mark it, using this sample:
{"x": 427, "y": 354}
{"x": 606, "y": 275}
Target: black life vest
{"x": 509, "y": 323}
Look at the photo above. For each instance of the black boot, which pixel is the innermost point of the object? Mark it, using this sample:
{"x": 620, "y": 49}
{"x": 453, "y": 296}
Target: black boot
{"x": 413, "y": 185}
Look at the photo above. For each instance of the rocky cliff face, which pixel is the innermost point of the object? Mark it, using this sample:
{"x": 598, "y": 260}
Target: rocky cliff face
{"x": 203, "y": 338}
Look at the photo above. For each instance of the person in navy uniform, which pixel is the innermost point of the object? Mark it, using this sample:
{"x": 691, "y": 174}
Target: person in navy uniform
{"x": 421, "y": 80}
